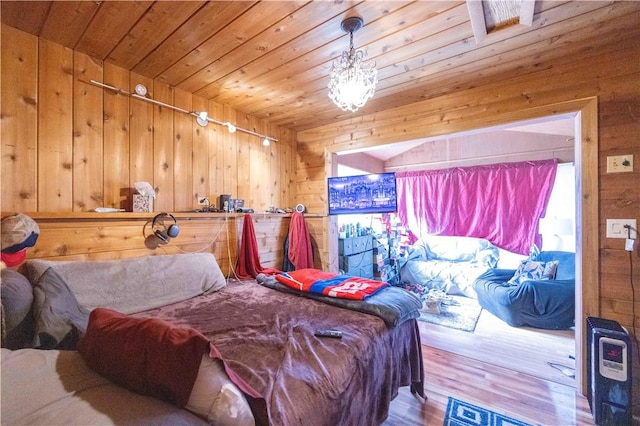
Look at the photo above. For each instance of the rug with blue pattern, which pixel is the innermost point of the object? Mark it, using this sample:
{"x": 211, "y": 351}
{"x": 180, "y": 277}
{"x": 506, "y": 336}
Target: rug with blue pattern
{"x": 460, "y": 413}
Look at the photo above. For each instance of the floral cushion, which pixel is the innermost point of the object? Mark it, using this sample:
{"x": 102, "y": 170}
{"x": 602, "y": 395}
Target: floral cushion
{"x": 534, "y": 270}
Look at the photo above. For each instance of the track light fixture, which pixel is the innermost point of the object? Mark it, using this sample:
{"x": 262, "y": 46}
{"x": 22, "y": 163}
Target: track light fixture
{"x": 202, "y": 117}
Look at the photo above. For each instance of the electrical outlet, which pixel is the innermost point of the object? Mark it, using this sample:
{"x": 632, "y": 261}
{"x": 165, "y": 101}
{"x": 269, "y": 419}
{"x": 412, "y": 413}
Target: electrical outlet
{"x": 620, "y": 163}
{"x": 203, "y": 201}
{"x": 616, "y": 229}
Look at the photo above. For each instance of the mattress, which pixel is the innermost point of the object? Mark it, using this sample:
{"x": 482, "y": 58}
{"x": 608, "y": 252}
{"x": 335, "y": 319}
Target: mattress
{"x": 267, "y": 337}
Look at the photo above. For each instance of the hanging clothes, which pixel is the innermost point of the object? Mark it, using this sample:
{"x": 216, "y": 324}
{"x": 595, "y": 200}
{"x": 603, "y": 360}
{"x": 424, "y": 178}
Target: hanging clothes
{"x": 298, "y": 251}
{"x": 248, "y": 264}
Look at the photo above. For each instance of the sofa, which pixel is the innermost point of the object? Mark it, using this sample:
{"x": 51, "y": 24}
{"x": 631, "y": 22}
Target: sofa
{"x": 522, "y": 298}
{"x": 447, "y": 263}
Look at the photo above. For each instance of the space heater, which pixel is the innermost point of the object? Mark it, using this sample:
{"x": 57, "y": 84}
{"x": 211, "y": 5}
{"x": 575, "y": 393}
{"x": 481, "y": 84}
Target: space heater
{"x": 608, "y": 372}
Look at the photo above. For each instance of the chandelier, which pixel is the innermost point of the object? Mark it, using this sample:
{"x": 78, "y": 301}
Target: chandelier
{"x": 352, "y": 81}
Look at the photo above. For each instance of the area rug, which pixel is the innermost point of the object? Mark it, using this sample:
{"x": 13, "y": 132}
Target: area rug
{"x": 457, "y": 312}
{"x": 460, "y": 413}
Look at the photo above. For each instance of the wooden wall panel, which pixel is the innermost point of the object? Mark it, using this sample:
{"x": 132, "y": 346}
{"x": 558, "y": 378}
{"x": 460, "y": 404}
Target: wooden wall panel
{"x": 55, "y": 127}
{"x": 184, "y": 196}
{"x": 88, "y": 152}
{"x": 317, "y": 230}
{"x": 216, "y": 154}
{"x": 163, "y": 149}
{"x": 272, "y": 157}
{"x": 80, "y": 146}
{"x": 311, "y": 188}
{"x": 116, "y": 139}
{"x": 19, "y": 118}
{"x": 259, "y": 170}
{"x": 128, "y": 140}
{"x": 200, "y": 166}
{"x": 288, "y": 190}
{"x": 270, "y": 236}
{"x": 102, "y": 236}
{"x": 230, "y": 152}
{"x": 259, "y": 177}
{"x": 244, "y": 154}
{"x": 141, "y": 134}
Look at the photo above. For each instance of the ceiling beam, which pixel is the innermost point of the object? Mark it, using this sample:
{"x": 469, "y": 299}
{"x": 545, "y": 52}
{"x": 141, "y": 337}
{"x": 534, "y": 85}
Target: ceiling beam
{"x": 527, "y": 8}
{"x": 476, "y": 14}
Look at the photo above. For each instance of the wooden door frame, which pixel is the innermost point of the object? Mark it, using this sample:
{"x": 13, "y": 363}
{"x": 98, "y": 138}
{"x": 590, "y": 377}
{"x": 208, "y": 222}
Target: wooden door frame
{"x": 585, "y": 112}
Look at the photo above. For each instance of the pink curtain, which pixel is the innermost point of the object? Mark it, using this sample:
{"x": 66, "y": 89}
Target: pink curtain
{"x": 500, "y": 202}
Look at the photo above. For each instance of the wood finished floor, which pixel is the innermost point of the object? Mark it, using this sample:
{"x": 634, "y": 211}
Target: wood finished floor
{"x": 524, "y": 349}
{"x": 498, "y": 368}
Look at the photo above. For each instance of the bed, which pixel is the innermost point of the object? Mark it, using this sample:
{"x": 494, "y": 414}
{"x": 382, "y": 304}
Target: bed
{"x": 264, "y": 339}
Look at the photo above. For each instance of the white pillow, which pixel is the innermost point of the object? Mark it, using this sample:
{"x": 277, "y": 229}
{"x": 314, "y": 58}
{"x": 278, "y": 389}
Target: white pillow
{"x": 531, "y": 270}
{"x": 215, "y": 398}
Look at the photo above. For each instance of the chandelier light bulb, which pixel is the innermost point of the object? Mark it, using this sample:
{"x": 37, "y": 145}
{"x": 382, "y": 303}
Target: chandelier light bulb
{"x": 266, "y": 142}
{"x": 353, "y": 82}
{"x": 230, "y": 127}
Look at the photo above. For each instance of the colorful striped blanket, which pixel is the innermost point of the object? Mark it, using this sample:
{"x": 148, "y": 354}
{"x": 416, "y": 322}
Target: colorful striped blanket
{"x": 331, "y": 284}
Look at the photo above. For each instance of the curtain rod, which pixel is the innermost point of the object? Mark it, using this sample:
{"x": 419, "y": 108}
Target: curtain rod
{"x": 201, "y": 117}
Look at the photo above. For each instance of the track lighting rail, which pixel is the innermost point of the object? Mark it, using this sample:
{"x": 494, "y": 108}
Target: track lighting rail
{"x": 202, "y": 117}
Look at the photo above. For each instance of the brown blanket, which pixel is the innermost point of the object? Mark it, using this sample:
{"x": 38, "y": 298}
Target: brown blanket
{"x": 267, "y": 337}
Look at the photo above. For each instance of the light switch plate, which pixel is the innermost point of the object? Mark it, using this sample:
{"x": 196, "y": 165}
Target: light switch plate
{"x": 616, "y": 229}
{"x": 620, "y": 163}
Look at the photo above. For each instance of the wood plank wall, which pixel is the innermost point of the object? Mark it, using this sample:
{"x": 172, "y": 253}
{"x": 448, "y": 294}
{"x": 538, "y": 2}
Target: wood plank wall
{"x": 485, "y": 148}
{"x": 611, "y": 73}
{"x": 103, "y": 236}
{"x": 70, "y": 146}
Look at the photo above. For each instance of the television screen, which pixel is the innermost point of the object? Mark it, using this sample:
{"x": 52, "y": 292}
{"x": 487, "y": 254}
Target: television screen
{"x": 362, "y": 194}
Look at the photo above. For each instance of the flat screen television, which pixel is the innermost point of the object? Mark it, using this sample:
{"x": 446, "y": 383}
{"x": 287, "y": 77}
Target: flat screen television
{"x": 363, "y": 194}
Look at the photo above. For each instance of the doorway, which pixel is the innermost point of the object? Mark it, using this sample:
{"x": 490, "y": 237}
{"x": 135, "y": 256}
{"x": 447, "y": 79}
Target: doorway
{"x": 585, "y": 116}
{"x": 493, "y": 341}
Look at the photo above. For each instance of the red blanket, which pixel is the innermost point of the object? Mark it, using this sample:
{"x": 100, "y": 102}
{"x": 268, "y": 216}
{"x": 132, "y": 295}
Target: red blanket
{"x": 248, "y": 264}
{"x": 155, "y": 357}
{"x": 331, "y": 284}
{"x": 300, "y": 250}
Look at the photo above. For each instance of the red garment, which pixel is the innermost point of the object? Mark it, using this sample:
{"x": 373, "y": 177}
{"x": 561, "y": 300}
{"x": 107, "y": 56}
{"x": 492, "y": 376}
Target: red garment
{"x": 300, "y": 252}
{"x": 14, "y": 259}
{"x": 248, "y": 264}
{"x": 331, "y": 284}
{"x": 116, "y": 346}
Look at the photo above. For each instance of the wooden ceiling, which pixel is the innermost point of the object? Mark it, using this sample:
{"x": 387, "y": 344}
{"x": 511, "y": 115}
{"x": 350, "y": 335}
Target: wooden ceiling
{"x": 272, "y": 59}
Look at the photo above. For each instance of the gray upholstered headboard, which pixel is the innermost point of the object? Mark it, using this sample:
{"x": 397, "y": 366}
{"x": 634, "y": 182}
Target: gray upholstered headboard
{"x": 134, "y": 285}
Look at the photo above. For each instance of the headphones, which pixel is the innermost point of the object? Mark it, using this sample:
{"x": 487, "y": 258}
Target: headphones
{"x": 165, "y": 233}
